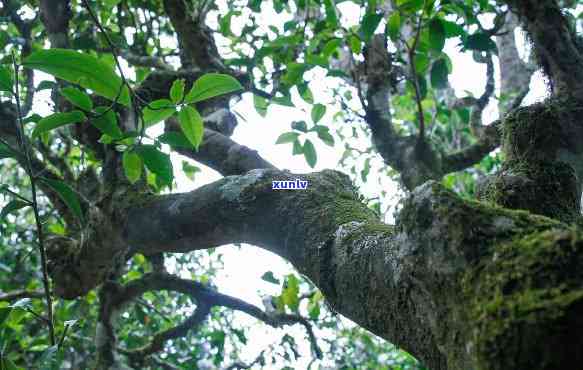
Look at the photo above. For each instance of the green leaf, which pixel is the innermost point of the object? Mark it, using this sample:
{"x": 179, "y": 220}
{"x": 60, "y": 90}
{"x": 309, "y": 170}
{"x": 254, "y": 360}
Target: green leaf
{"x": 284, "y": 100}
{"x": 369, "y": 24}
{"x": 290, "y": 293}
{"x": 365, "y": 171}
{"x": 355, "y": 44}
{"x": 132, "y": 166}
{"x": 318, "y": 111}
{"x": 77, "y": 97}
{"x": 175, "y": 139}
{"x": 331, "y": 47}
{"x": 300, "y": 126}
{"x": 394, "y": 26}
{"x": 310, "y": 153}
{"x": 6, "y": 83}
{"x": 270, "y": 278}
{"x": 439, "y": 72}
{"x": 177, "y": 91}
{"x": 158, "y": 111}
{"x": 106, "y": 122}
{"x": 67, "y": 194}
{"x": 422, "y": 86}
{"x": 306, "y": 93}
{"x": 189, "y": 170}
{"x": 12, "y": 206}
{"x": 297, "y": 148}
{"x": 157, "y": 162}
{"x": 6, "y": 152}
{"x": 452, "y": 29}
{"x": 480, "y": 42}
{"x": 436, "y": 35}
{"x": 45, "y": 85}
{"x": 191, "y": 124}
{"x": 4, "y": 314}
{"x": 410, "y": 5}
{"x": 294, "y": 73}
{"x": 211, "y": 85}
{"x": 287, "y": 137}
{"x": 7, "y": 364}
{"x": 57, "y": 120}
{"x": 82, "y": 69}
{"x": 4, "y": 39}
{"x": 324, "y": 135}
{"x": 261, "y": 104}
{"x": 331, "y": 14}
{"x": 421, "y": 62}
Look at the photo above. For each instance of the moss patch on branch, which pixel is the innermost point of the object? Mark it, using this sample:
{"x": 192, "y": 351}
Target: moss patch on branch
{"x": 525, "y": 302}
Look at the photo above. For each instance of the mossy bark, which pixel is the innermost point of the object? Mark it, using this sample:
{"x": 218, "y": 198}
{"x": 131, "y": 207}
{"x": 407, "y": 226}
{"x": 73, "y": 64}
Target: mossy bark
{"x": 543, "y": 167}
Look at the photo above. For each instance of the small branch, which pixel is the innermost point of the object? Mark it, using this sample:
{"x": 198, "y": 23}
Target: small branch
{"x": 206, "y": 298}
{"x": 242, "y": 366}
{"x": 39, "y": 228}
{"x": 411, "y": 53}
{"x": 4, "y": 189}
{"x": 481, "y": 103}
{"x": 159, "y": 340}
{"x": 144, "y": 60}
{"x": 20, "y": 294}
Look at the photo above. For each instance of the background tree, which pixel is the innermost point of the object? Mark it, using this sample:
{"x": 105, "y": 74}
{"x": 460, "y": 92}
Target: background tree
{"x": 458, "y": 283}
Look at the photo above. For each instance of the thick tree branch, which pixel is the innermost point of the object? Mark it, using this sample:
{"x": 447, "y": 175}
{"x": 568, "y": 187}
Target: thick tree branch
{"x": 404, "y": 283}
{"x": 555, "y": 42}
{"x": 55, "y": 15}
{"x": 410, "y": 155}
{"x": 195, "y": 38}
{"x": 515, "y": 75}
{"x": 408, "y": 267}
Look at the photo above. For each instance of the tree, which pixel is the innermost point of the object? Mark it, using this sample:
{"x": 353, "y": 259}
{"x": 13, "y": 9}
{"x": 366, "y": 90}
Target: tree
{"x": 480, "y": 270}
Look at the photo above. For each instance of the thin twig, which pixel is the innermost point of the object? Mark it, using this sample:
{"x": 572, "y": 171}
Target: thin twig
{"x": 5, "y": 189}
{"x": 42, "y": 250}
{"x": 411, "y": 52}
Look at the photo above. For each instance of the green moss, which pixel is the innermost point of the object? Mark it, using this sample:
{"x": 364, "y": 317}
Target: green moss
{"x": 536, "y": 132}
{"x": 536, "y": 175}
{"x": 525, "y": 302}
{"x": 548, "y": 189}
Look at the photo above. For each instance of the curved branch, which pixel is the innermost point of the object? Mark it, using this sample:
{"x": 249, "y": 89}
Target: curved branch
{"x": 206, "y": 298}
{"x": 159, "y": 340}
